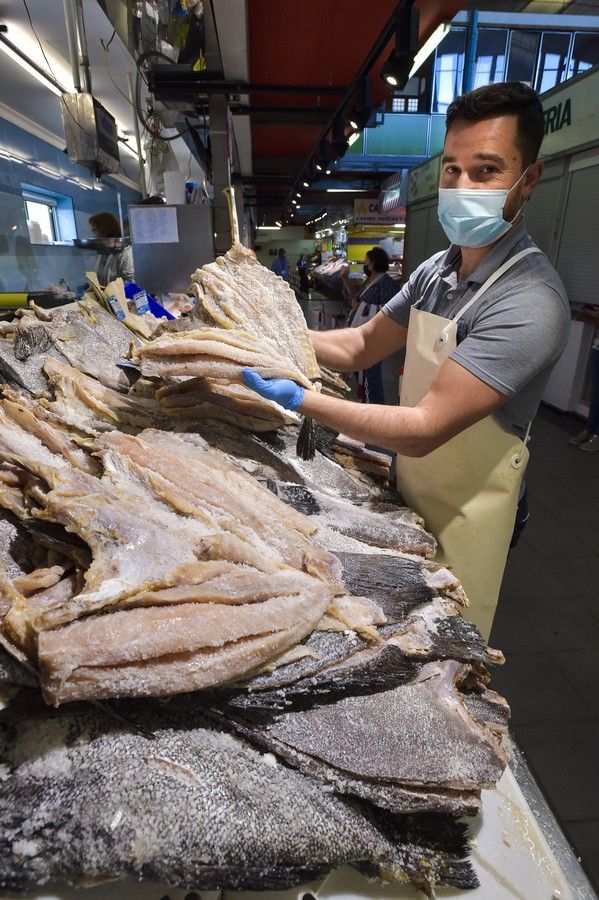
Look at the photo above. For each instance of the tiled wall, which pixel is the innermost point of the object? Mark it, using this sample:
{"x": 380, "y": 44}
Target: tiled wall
{"x": 26, "y": 158}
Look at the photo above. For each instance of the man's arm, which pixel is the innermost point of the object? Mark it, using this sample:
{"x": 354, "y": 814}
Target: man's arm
{"x": 456, "y": 400}
{"x": 356, "y": 349}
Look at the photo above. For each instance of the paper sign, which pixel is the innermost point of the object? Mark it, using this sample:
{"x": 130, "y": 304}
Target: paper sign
{"x": 154, "y": 225}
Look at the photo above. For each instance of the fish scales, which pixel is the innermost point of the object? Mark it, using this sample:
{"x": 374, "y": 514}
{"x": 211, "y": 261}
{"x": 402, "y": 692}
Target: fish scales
{"x": 193, "y": 808}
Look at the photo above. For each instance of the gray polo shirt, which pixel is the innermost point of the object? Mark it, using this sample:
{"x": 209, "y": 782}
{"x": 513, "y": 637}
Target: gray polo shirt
{"x": 512, "y": 337}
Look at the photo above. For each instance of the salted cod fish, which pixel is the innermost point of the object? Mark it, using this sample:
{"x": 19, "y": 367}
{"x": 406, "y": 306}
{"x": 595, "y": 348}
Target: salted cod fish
{"x": 237, "y": 292}
{"x": 216, "y": 353}
{"x": 85, "y": 403}
{"x": 136, "y": 651}
{"x": 197, "y": 399}
{"x": 415, "y": 747}
{"x": 83, "y": 335}
{"x": 192, "y": 808}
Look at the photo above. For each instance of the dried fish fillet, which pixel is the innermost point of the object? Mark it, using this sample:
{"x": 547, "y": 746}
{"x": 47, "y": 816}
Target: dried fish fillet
{"x": 193, "y": 808}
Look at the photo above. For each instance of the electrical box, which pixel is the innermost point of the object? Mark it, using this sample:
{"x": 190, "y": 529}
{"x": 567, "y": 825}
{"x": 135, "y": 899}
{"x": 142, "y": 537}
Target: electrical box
{"x": 90, "y": 132}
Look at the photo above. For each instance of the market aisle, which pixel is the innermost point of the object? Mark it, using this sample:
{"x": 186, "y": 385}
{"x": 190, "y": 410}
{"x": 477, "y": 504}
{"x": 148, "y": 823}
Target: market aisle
{"x": 547, "y": 624}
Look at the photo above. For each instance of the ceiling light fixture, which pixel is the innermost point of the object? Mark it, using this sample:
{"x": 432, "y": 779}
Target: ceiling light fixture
{"x": 306, "y": 183}
{"x": 319, "y": 167}
{"x": 279, "y": 223}
{"x": 396, "y": 71}
{"x": 298, "y": 195}
{"x": 354, "y": 137}
{"x": 31, "y": 67}
{"x": 430, "y": 46}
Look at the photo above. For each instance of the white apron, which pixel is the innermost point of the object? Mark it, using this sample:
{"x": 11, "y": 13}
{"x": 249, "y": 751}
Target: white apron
{"x": 466, "y": 490}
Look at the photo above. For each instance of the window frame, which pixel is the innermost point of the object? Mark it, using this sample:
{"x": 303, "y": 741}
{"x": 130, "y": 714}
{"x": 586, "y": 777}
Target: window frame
{"x": 42, "y": 200}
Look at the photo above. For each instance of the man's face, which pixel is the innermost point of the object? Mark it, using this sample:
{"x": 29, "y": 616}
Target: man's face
{"x": 486, "y": 155}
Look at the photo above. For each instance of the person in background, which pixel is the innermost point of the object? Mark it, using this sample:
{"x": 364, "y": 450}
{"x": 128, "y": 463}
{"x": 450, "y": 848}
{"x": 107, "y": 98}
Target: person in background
{"x": 117, "y": 260}
{"x": 367, "y": 299}
{"x": 302, "y": 273}
{"x": 280, "y": 265}
{"x": 588, "y": 439}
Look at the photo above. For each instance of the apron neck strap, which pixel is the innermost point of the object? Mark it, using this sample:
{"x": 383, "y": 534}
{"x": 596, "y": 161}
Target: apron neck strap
{"x": 493, "y": 278}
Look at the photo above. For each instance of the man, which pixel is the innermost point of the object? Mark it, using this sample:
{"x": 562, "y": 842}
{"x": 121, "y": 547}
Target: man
{"x": 479, "y": 351}
{"x": 280, "y": 265}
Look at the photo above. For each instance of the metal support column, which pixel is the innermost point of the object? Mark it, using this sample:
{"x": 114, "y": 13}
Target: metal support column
{"x": 220, "y": 140}
{"x": 470, "y": 51}
{"x": 70, "y": 22}
{"x": 86, "y": 78}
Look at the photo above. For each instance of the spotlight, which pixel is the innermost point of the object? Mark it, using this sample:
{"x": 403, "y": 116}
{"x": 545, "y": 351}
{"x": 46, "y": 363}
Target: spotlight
{"x": 319, "y": 167}
{"x": 279, "y": 223}
{"x": 306, "y": 183}
{"x": 328, "y": 172}
{"x": 396, "y": 70}
{"x": 362, "y": 111}
{"x": 294, "y": 202}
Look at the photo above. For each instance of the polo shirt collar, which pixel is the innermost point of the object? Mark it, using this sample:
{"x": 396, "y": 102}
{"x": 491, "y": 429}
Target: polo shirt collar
{"x": 500, "y": 252}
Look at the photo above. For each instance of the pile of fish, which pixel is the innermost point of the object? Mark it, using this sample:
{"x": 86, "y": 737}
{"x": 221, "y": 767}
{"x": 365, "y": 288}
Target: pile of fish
{"x": 223, "y": 666}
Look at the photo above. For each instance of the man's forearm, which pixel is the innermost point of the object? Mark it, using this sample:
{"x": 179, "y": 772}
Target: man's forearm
{"x": 338, "y": 349}
{"x": 404, "y": 430}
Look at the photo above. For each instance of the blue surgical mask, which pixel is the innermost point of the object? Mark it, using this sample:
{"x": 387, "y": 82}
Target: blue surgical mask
{"x": 473, "y": 217}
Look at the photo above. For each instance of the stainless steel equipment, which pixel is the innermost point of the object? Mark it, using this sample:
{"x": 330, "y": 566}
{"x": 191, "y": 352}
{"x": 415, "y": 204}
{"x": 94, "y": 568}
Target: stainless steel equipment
{"x": 161, "y": 265}
{"x": 91, "y": 133}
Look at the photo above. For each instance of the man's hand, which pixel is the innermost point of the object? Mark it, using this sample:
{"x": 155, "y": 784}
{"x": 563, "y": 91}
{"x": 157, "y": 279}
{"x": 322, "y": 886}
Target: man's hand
{"x": 286, "y": 393}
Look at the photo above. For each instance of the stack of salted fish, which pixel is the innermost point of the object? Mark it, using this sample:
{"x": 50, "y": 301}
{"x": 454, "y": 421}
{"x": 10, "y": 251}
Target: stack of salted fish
{"x": 224, "y": 667}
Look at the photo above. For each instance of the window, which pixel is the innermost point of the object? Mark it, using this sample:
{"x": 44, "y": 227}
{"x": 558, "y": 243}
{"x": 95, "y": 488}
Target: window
{"x": 552, "y": 61}
{"x": 490, "y": 56}
{"x": 523, "y": 56}
{"x": 449, "y": 68}
{"x": 585, "y": 54}
{"x": 41, "y": 220}
{"x": 50, "y": 216}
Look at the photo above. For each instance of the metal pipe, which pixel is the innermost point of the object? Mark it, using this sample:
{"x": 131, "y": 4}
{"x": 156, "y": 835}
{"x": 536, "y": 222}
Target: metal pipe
{"x": 72, "y": 42}
{"x": 142, "y": 171}
{"x": 82, "y": 47}
{"x": 470, "y": 51}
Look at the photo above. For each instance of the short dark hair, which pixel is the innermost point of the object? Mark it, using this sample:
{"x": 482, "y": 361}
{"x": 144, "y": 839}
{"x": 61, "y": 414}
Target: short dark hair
{"x": 281, "y": 251}
{"x": 379, "y": 259}
{"x": 507, "y": 98}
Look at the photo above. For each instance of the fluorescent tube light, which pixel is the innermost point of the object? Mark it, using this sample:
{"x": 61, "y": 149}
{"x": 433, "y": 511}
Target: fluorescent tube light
{"x": 347, "y": 190}
{"x": 269, "y": 227}
{"x": 41, "y": 76}
{"x": 354, "y": 137}
{"x": 430, "y": 46}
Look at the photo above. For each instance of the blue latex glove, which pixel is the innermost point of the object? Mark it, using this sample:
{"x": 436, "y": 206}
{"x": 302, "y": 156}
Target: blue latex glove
{"x": 283, "y": 391}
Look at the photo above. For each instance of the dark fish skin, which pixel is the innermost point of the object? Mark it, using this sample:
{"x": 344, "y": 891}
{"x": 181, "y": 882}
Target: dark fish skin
{"x": 397, "y": 799}
{"x": 394, "y": 582}
{"x": 194, "y": 808}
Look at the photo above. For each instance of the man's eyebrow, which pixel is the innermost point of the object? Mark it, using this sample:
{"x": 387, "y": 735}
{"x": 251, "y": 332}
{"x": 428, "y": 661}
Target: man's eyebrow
{"x": 485, "y": 157}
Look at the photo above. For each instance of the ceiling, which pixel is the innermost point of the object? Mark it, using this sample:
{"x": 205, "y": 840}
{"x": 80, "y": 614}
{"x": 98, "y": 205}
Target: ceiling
{"x": 30, "y": 104}
{"x": 325, "y": 46}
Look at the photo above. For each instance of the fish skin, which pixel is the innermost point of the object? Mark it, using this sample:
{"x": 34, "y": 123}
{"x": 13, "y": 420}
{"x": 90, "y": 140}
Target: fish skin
{"x": 193, "y": 808}
{"x": 416, "y": 734}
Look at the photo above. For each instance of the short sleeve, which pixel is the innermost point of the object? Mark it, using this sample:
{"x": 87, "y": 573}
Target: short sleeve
{"x": 516, "y": 338}
{"x": 399, "y": 305}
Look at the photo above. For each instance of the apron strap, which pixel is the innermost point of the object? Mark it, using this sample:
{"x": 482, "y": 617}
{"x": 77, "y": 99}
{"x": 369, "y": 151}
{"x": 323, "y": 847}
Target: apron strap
{"x": 491, "y": 280}
{"x": 517, "y": 458}
{"x": 494, "y": 277}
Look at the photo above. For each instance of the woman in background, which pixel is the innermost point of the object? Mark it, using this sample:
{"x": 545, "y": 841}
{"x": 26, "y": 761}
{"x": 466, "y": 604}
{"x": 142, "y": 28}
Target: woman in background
{"x": 367, "y": 298}
{"x": 117, "y": 260}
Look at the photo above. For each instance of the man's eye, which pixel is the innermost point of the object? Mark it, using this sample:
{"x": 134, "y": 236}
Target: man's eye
{"x": 488, "y": 170}
{"x": 450, "y": 170}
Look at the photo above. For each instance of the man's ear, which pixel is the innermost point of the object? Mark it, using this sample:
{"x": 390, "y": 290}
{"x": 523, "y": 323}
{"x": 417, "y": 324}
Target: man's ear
{"x": 533, "y": 176}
